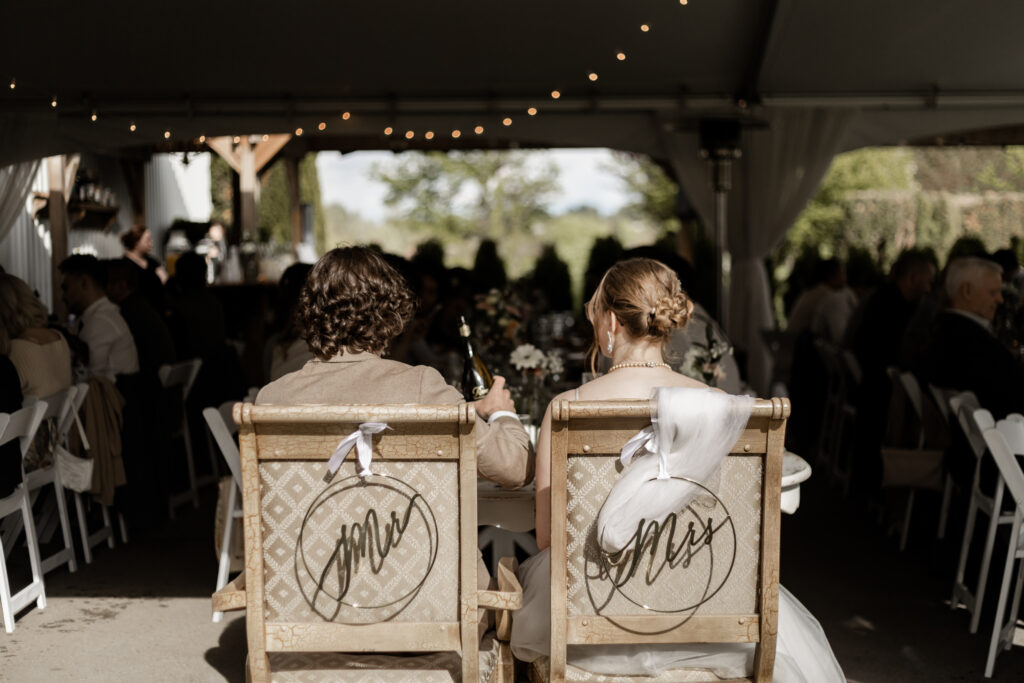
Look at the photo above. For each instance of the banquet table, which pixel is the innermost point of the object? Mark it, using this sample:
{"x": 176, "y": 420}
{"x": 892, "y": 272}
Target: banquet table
{"x": 513, "y": 510}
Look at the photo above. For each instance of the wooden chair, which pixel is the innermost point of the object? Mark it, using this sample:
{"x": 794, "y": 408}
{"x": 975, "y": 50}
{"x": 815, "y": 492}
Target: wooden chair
{"x": 21, "y": 425}
{"x": 726, "y": 594}
{"x": 224, "y": 429}
{"x": 330, "y": 582}
{"x": 182, "y": 376}
{"x": 1004, "y": 442}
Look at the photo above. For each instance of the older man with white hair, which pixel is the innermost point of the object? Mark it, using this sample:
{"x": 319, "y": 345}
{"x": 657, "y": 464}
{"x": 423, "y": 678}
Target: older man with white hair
{"x": 964, "y": 353}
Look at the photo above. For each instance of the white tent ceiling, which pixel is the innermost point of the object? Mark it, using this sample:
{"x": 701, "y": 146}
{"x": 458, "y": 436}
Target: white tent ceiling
{"x": 913, "y": 69}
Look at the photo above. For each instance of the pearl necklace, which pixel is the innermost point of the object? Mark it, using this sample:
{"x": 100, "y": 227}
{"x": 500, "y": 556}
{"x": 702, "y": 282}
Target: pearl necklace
{"x": 639, "y": 364}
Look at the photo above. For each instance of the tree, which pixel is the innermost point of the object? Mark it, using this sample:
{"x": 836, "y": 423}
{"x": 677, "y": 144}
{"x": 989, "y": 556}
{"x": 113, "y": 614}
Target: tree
{"x": 655, "y": 196}
{"x": 484, "y": 193}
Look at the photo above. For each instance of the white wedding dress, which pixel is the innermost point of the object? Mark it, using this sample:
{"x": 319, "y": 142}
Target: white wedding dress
{"x": 689, "y": 438}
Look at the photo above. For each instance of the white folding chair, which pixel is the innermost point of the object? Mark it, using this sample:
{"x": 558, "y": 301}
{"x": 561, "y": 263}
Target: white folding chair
{"x": 59, "y": 407}
{"x": 21, "y": 425}
{"x": 974, "y": 421}
{"x": 182, "y": 375}
{"x": 1004, "y": 442}
{"x": 223, "y": 428}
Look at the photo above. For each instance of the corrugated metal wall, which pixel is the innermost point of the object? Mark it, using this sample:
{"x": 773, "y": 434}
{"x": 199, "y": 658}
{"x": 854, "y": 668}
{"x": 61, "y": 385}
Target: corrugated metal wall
{"x": 25, "y": 250}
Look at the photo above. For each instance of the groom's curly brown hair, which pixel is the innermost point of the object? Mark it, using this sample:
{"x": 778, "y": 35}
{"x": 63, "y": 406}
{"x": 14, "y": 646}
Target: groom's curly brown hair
{"x": 353, "y": 300}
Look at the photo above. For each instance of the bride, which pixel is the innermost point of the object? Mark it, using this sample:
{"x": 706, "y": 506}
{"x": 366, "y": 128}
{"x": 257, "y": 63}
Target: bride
{"x": 634, "y": 310}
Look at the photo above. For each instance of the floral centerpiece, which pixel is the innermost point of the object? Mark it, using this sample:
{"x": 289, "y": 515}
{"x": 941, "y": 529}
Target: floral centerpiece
{"x": 537, "y": 372}
{"x": 703, "y": 360}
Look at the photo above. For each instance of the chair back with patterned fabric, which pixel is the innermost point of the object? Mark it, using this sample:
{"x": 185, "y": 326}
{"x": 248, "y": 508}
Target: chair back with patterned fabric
{"x": 708, "y": 574}
{"x": 380, "y": 563}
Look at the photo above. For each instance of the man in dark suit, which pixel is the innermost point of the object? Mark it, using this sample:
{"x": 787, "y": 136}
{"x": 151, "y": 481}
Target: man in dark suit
{"x": 964, "y": 353}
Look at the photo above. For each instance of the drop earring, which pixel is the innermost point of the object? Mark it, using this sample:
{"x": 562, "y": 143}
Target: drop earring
{"x": 611, "y": 343}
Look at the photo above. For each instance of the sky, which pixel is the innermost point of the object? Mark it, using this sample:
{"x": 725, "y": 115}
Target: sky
{"x": 344, "y": 179}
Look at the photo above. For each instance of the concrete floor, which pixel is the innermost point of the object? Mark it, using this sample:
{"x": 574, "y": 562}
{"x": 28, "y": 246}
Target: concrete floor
{"x": 141, "y": 612}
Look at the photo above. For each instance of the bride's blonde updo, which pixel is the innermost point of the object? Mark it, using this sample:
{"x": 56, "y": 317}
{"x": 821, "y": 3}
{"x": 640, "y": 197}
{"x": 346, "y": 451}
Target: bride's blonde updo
{"x": 646, "y": 298}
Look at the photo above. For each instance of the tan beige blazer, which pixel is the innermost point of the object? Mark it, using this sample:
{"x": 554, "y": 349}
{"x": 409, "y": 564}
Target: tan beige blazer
{"x": 504, "y": 452}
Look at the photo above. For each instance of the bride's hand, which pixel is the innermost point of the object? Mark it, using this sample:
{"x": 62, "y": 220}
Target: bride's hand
{"x": 498, "y": 398}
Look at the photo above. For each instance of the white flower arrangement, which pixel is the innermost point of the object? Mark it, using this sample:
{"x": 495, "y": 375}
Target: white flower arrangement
{"x": 527, "y": 357}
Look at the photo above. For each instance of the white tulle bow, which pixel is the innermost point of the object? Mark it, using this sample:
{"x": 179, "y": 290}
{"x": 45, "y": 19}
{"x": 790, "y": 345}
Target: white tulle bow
{"x": 362, "y": 439}
{"x": 646, "y": 439}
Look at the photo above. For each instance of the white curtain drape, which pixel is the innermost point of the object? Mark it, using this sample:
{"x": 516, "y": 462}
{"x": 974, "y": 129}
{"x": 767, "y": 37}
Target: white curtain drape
{"x": 781, "y": 168}
{"x": 15, "y": 184}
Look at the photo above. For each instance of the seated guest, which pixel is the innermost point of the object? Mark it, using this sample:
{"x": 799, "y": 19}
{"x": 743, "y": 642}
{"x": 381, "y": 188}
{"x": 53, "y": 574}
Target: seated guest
{"x": 352, "y": 307}
{"x": 41, "y": 355}
{"x": 98, "y": 321}
{"x": 10, "y": 401}
{"x": 149, "y": 331}
{"x": 286, "y": 350}
{"x": 964, "y": 353}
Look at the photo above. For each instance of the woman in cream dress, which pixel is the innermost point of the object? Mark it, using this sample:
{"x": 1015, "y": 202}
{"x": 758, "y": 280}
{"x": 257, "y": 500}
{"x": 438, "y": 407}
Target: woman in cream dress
{"x": 41, "y": 355}
{"x": 634, "y": 311}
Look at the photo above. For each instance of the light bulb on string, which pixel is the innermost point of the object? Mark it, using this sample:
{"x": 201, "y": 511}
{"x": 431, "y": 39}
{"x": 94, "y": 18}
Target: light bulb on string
{"x": 237, "y": 139}
{"x": 429, "y": 135}
{"x": 621, "y": 56}
{"x": 532, "y": 111}
{"x": 682, "y": 2}
{"x": 202, "y": 139}
{"x": 131, "y": 127}
{"x": 409, "y": 135}
{"x": 298, "y": 132}
{"x": 592, "y": 76}
{"x": 506, "y": 121}
{"x": 345, "y": 116}
{"x": 167, "y": 135}
{"x": 478, "y": 130}
{"x": 53, "y": 102}
{"x": 456, "y": 133}
{"x": 555, "y": 94}
{"x": 14, "y": 84}
{"x": 265, "y": 137}
{"x": 322, "y": 125}
{"x": 645, "y": 27}
{"x": 93, "y": 116}
{"x": 389, "y": 130}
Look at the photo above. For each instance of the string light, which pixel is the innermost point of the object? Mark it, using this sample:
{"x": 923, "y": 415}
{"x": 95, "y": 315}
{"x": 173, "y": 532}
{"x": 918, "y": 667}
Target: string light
{"x": 555, "y": 94}
{"x": 532, "y": 111}
{"x": 14, "y": 84}
{"x": 645, "y": 27}
{"x": 409, "y": 135}
{"x": 682, "y": 2}
{"x": 167, "y": 135}
{"x": 53, "y": 102}
{"x": 265, "y": 137}
{"x": 345, "y": 115}
{"x": 389, "y": 130}
{"x": 322, "y": 125}
{"x": 456, "y": 133}
{"x": 93, "y": 116}
{"x": 131, "y": 126}
{"x": 429, "y": 135}
{"x": 236, "y": 139}
{"x": 298, "y": 132}
{"x": 621, "y": 56}
{"x": 592, "y": 75}
{"x": 506, "y": 121}
{"x": 202, "y": 139}
{"x": 478, "y": 130}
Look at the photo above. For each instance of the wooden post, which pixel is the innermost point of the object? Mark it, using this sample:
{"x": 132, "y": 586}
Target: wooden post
{"x": 134, "y": 171}
{"x": 559, "y": 544}
{"x": 247, "y": 182}
{"x": 291, "y": 164}
{"x": 58, "y": 231}
{"x": 247, "y": 161}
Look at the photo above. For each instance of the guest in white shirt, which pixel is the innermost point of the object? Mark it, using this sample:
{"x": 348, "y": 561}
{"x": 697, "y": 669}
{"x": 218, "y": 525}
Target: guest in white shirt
{"x": 98, "y": 321}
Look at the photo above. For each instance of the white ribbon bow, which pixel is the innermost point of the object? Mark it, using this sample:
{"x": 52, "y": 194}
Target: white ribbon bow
{"x": 362, "y": 439}
{"x": 645, "y": 439}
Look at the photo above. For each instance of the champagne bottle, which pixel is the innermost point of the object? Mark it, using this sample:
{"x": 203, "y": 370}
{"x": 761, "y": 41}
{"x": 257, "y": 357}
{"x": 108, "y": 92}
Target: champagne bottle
{"x": 476, "y": 378}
